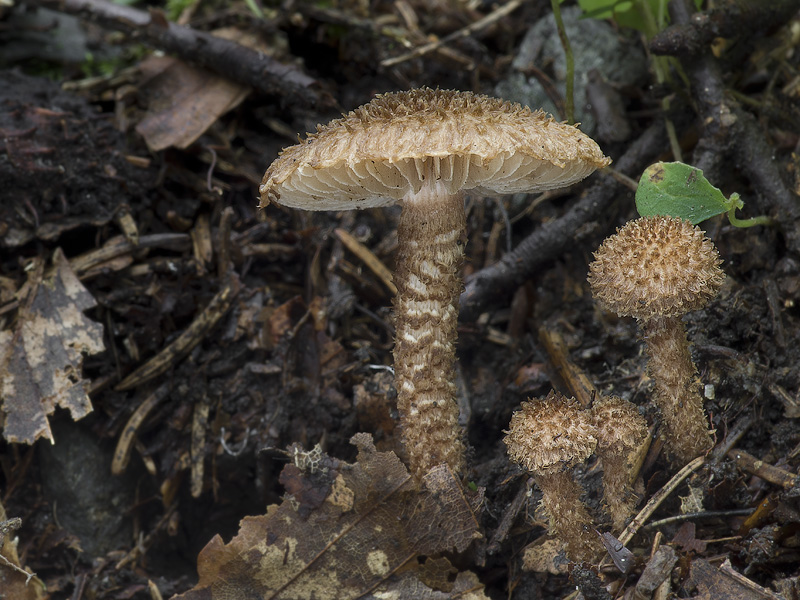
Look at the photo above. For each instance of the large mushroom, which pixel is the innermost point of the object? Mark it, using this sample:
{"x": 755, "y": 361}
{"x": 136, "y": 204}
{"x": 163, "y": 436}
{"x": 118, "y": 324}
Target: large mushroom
{"x": 422, "y": 149}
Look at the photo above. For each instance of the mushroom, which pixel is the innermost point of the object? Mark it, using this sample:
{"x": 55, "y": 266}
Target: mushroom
{"x": 421, "y": 149}
{"x": 547, "y": 438}
{"x": 657, "y": 269}
{"x": 619, "y": 429}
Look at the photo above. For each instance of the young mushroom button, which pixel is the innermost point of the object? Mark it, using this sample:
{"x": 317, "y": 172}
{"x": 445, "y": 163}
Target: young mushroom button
{"x": 421, "y": 149}
{"x": 657, "y": 269}
{"x": 547, "y": 438}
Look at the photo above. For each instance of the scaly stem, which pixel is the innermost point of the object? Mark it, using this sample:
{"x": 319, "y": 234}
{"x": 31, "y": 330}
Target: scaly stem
{"x": 617, "y": 491}
{"x": 569, "y": 518}
{"x": 430, "y": 237}
{"x": 676, "y": 392}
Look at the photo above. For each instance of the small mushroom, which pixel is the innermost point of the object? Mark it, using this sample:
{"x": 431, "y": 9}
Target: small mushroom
{"x": 657, "y": 269}
{"x": 547, "y": 438}
{"x": 421, "y": 149}
{"x": 619, "y": 429}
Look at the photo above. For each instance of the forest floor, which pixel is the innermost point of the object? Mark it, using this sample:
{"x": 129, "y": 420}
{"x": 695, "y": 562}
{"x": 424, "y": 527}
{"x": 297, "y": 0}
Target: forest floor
{"x": 178, "y": 365}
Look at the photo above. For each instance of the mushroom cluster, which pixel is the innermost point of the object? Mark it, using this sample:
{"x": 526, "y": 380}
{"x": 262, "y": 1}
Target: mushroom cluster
{"x": 550, "y": 435}
{"x": 422, "y": 149}
{"x": 657, "y": 269}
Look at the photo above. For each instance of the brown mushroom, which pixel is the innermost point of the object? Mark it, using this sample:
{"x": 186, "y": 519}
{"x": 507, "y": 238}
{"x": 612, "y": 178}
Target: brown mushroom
{"x": 657, "y": 269}
{"x": 547, "y": 438}
{"x": 619, "y": 429}
{"x": 422, "y": 149}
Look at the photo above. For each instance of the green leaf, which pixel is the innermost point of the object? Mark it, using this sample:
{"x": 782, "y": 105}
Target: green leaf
{"x": 680, "y": 190}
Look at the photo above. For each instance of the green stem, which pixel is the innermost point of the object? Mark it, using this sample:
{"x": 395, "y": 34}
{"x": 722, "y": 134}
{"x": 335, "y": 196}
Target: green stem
{"x": 653, "y": 25}
{"x": 254, "y": 8}
{"x": 569, "y": 94}
{"x": 762, "y": 220}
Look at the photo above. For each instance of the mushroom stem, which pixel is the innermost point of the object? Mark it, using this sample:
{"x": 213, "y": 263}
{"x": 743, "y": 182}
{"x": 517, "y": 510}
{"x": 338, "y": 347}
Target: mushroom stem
{"x": 619, "y": 429}
{"x": 676, "y": 392}
{"x": 569, "y": 519}
{"x": 617, "y": 492}
{"x": 431, "y": 236}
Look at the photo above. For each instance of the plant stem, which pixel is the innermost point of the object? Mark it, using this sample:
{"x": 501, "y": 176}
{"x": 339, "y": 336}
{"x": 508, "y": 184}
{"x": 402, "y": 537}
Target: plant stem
{"x": 761, "y": 220}
{"x": 569, "y": 94}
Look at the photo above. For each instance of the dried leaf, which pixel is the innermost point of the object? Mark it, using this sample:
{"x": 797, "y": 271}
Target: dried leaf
{"x": 343, "y": 532}
{"x": 685, "y": 538}
{"x": 184, "y": 102}
{"x": 41, "y": 360}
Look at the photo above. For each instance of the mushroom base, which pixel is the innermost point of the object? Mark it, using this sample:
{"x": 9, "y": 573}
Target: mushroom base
{"x": 430, "y": 236}
{"x": 677, "y": 393}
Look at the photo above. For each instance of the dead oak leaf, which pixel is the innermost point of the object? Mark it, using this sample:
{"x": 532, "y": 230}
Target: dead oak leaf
{"x": 41, "y": 359}
{"x": 365, "y": 523}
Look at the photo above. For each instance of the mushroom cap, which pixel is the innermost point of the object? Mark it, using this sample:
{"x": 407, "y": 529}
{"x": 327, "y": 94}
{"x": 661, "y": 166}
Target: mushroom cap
{"x": 617, "y": 423}
{"x": 656, "y": 266}
{"x": 383, "y": 150}
{"x": 551, "y": 434}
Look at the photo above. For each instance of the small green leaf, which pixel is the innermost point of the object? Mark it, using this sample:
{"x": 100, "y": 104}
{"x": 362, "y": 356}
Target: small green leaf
{"x": 680, "y": 190}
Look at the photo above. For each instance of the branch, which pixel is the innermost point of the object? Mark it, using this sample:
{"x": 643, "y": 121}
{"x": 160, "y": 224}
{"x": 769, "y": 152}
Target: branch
{"x": 224, "y": 57}
{"x": 733, "y": 18}
{"x": 728, "y": 129}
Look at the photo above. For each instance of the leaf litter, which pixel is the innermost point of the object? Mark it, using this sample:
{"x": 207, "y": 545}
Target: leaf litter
{"x": 42, "y": 356}
{"x": 347, "y": 531}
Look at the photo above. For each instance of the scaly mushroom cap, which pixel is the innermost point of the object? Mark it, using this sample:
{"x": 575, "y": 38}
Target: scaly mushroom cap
{"x": 551, "y": 434}
{"x": 381, "y": 151}
{"x": 656, "y": 266}
{"x": 617, "y": 423}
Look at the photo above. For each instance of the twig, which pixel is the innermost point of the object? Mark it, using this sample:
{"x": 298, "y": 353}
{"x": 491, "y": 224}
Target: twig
{"x": 368, "y": 258}
{"x": 639, "y": 520}
{"x": 577, "y": 382}
{"x": 732, "y": 437}
{"x": 122, "y": 453}
{"x": 186, "y": 341}
{"x": 728, "y": 19}
{"x": 224, "y": 243}
{"x": 709, "y": 514}
{"x": 509, "y": 515}
{"x": 86, "y": 264}
{"x": 764, "y": 470}
{"x": 224, "y": 57}
{"x": 467, "y": 31}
